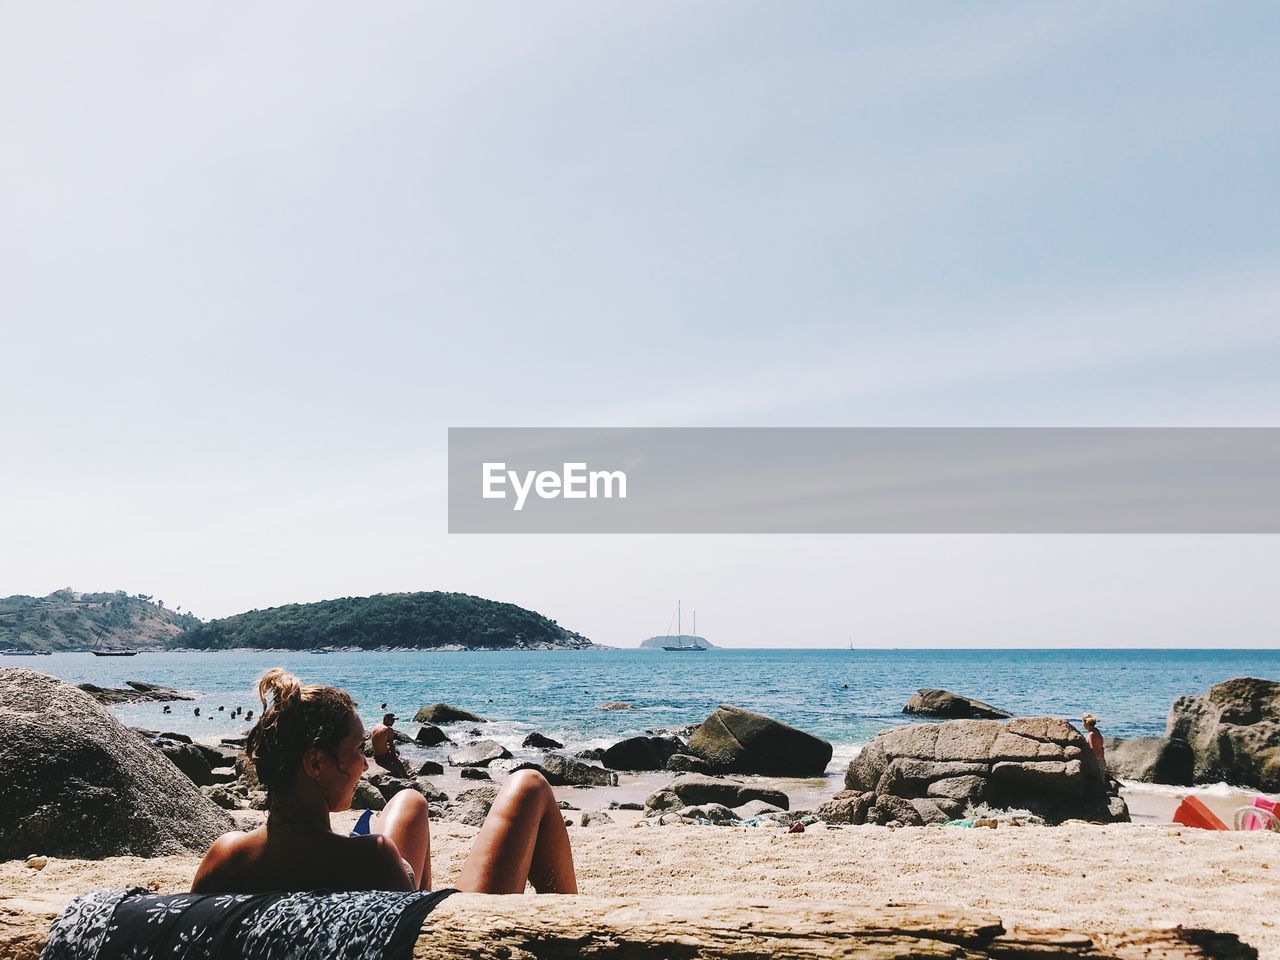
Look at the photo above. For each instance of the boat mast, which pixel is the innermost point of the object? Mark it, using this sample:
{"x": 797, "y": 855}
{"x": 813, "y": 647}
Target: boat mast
{"x": 679, "y": 629}
{"x": 695, "y": 628}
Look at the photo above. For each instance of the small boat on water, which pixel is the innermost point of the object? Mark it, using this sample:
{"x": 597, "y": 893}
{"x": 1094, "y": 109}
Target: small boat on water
{"x": 684, "y": 646}
{"x": 101, "y": 650}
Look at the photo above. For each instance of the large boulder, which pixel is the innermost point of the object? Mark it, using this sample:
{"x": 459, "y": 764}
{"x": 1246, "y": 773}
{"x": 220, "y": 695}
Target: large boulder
{"x": 1233, "y": 732}
{"x": 641, "y": 753}
{"x": 188, "y": 758}
{"x": 925, "y": 773}
{"x": 445, "y": 713}
{"x": 562, "y": 771}
{"x": 430, "y": 735}
{"x": 540, "y": 742}
{"x": 79, "y": 784}
{"x": 1151, "y": 760}
{"x": 739, "y": 741}
{"x": 928, "y": 702}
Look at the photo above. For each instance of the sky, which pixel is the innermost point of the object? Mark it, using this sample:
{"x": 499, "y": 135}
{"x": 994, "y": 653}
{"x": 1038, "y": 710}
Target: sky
{"x": 255, "y": 260}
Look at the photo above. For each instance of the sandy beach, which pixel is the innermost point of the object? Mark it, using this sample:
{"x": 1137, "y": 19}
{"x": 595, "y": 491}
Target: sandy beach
{"x": 1080, "y": 876}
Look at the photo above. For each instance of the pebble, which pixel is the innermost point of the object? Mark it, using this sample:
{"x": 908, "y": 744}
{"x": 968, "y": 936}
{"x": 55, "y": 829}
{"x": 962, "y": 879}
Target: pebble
{"x": 36, "y": 862}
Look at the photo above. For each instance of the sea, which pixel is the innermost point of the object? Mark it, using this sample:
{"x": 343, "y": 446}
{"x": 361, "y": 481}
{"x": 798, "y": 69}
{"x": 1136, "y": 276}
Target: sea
{"x": 845, "y": 696}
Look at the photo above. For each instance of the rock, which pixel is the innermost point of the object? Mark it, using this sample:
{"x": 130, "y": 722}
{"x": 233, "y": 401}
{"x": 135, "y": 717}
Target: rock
{"x": 537, "y": 741}
{"x": 175, "y": 737}
{"x": 189, "y": 759}
{"x": 36, "y": 862}
{"x": 367, "y": 797}
{"x": 617, "y": 705}
{"x": 1042, "y": 764}
{"x": 688, "y": 763}
{"x": 755, "y": 808}
{"x": 504, "y": 767}
{"x": 225, "y": 797}
{"x": 444, "y": 713}
{"x": 715, "y": 812}
{"x": 429, "y": 735}
{"x": 248, "y": 774}
{"x": 429, "y": 790}
{"x": 1233, "y": 733}
{"x": 615, "y": 805}
{"x": 664, "y": 799}
{"x": 562, "y": 771}
{"x": 694, "y": 789}
{"x": 135, "y": 692}
{"x": 641, "y": 753}
{"x": 740, "y": 741}
{"x": 936, "y": 811}
{"x": 387, "y": 784}
{"x": 475, "y": 773}
{"x": 479, "y": 754}
{"x": 473, "y": 805}
{"x": 893, "y": 809}
{"x": 592, "y": 753}
{"x": 428, "y": 768}
{"x": 928, "y": 702}
{"x": 1151, "y": 760}
{"x": 597, "y": 819}
{"x": 78, "y": 785}
{"x": 848, "y": 806}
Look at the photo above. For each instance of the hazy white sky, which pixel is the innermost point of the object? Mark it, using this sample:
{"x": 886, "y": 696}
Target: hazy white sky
{"x": 254, "y": 260}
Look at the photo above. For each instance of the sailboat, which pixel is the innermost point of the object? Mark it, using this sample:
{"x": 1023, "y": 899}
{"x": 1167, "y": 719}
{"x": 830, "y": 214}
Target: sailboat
{"x": 683, "y": 647}
{"x": 103, "y": 651}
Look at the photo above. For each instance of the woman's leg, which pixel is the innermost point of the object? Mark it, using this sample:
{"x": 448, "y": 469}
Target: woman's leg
{"x": 404, "y": 821}
{"x": 523, "y": 840}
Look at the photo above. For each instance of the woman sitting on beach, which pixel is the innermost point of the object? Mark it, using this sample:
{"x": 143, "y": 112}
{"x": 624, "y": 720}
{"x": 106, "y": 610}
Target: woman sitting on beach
{"x": 307, "y": 749}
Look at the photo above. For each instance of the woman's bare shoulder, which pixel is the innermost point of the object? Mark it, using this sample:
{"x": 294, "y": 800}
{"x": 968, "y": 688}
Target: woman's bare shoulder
{"x": 225, "y": 856}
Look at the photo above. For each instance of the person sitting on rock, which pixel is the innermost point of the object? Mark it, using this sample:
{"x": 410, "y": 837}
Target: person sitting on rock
{"x": 307, "y": 749}
{"x": 383, "y": 740}
{"x": 1094, "y": 737}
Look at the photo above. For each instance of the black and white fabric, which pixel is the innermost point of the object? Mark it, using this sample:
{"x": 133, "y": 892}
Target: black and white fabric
{"x": 139, "y": 925}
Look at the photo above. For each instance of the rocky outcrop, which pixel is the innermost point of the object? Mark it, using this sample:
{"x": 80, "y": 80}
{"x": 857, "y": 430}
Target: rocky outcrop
{"x": 562, "y": 771}
{"x": 928, "y": 702}
{"x": 641, "y": 753}
{"x": 445, "y": 713}
{"x": 79, "y": 784}
{"x": 929, "y": 773}
{"x": 1233, "y": 733}
{"x": 479, "y": 754}
{"x": 135, "y": 691}
{"x": 188, "y": 758}
{"x": 739, "y": 741}
{"x": 688, "y": 763}
{"x": 1151, "y": 760}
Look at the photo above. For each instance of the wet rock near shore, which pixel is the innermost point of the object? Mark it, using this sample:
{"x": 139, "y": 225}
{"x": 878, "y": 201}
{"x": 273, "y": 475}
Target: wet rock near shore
{"x": 537, "y": 741}
{"x": 929, "y": 702}
{"x": 734, "y": 740}
{"x": 641, "y": 753}
{"x": 688, "y": 763}
{"x": 430, "y": 736}
{"x": 1233, "y": 733}
{"x": 446, "y": 713}
{"x": 479, "y": 754}
{"x": 562, "y": 771}
{"x": 930, "y": 773}
{"x": 475, "y": 773}
{"x": 134, "y": 691}
{"x": 79, "y": 785}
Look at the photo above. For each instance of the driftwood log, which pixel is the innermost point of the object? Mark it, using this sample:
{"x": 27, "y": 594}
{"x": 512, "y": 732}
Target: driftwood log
{"x": 478, "y": 927}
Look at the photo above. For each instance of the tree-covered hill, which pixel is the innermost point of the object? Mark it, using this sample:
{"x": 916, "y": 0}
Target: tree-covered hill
{"x": 67, "y": 620}
{"x": 408, "y": 620}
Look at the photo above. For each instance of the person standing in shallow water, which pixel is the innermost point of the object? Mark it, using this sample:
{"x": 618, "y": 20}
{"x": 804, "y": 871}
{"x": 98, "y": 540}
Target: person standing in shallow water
{"x": 307, "y": 749}
{"x": 383, "y": 740}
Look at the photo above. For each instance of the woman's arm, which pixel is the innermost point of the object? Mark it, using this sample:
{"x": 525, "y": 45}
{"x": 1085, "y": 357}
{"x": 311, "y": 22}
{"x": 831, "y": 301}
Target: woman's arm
{"x": 216, "y": 870}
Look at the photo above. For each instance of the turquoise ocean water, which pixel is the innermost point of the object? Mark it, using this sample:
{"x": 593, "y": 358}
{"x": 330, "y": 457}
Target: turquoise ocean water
{"x": 845, "y": 696}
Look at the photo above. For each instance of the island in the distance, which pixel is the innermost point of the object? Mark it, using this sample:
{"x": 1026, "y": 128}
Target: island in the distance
{"x": 683, "y": 640}
{"x": 430, "y": 620}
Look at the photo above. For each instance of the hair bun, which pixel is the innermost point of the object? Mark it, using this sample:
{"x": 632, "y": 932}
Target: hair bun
{"x": 279, "y": 689}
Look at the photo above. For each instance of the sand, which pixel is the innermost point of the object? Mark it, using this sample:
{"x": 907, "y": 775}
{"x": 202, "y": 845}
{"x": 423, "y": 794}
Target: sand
{"x": 1078, "y": 876}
